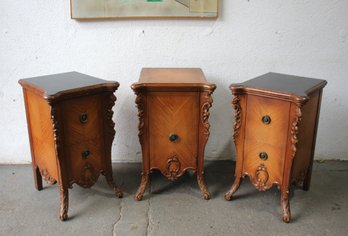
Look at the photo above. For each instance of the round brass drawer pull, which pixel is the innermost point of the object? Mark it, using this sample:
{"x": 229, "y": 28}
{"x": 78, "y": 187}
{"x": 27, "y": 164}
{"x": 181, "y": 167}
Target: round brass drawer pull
{"x": 85, "y": 154}
{"x": 263, "y": 156}
{"x": 83, "y": 118}
{"x": 266, "y": 120}
{"x": 173, "y": 138}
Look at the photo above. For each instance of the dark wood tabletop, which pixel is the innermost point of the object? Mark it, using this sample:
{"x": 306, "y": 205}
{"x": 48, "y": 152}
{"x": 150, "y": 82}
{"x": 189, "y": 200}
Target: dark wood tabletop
{"x": 51, "y": 86}
{"x": 295, "y": 85}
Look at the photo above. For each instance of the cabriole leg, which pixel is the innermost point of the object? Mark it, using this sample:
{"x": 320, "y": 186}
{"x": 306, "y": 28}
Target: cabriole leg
{"x": 143, "y": 184}
{"x": 286, "y": 217}
{"x": 202, "y": 185}
{"x": 115, "y": 188}
{"x": 64, "y": 203}
{"x": 234, "y": 188}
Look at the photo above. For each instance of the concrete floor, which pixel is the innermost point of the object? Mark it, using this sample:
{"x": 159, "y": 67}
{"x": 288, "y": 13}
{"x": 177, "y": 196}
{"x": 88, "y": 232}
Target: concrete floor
{"x": 174, "y": 208}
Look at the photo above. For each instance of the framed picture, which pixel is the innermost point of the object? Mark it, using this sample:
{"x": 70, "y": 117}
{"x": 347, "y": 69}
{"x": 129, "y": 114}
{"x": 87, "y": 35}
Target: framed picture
{"x": 109, "y": 9}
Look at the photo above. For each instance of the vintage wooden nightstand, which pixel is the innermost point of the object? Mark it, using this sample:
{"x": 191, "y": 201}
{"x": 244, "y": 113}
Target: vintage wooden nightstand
{"x": 71, "y": 130}
{"x": 173, "y": 115}
{"x": 276, "y": 120}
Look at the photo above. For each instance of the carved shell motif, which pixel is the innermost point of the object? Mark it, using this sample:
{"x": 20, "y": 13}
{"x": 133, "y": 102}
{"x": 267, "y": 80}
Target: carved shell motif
{"x": 261, "y": 177}
{"x": 173, "y": 168}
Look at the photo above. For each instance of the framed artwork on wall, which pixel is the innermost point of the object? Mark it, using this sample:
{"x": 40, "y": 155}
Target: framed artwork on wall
{"x": 110, "y": 9}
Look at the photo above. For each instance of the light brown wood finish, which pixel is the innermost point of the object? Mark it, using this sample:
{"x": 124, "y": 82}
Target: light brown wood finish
{"x": 288, "y": 138}
{"x": 66, "y": 148}
{"x": 173, "y": 103}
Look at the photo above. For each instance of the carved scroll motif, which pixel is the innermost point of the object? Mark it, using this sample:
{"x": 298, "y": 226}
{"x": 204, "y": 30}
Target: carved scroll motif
{"x": 208, "y": 100}
{"x": 173, "y": 168}
{"x": 294, "y": 130}
{"x": 140, "y": 105}
{"x": 237, "y": 116}
{"x": 261, "y": 177}
{"x": 109, "y": 114}
{"x": 55, "y": 125}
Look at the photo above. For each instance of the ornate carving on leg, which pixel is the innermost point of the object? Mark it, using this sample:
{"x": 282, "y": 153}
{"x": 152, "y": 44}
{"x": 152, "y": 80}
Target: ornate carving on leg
{"x": 286, "y": 217}
{"x": 237, "y": 117}
{"x": 202, "y": 186}
{"x": 206, "y": 103}
{"x": 208, "y": 100}
{"x": 234, "y": 188}
{"x": 144, "y": 181}
{"x": 115, "y": 188}
{"x": 109, "y": 114}
{"x": 140, "y": 105}
{"x": 294, "y": 130}
{"x": 173, "y": 168}
{"x": 262, "y": 177}
{"x": 64, "y": 203}
{"x": 55, "y": 128}
{"x": 111, "y": 130}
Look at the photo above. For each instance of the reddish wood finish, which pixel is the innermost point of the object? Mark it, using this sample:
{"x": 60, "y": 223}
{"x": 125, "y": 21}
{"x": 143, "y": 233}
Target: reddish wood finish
{"x": 65, "y": 148}
{"x": 173, "y": 101}
{"x": 292, "y": 104}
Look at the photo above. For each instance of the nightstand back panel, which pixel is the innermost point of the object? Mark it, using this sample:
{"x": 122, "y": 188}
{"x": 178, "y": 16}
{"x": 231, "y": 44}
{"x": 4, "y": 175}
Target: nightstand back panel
{"x": 41, "y": 133}
{"x": 170, "y": 114}
{"x": 265, "y": 136}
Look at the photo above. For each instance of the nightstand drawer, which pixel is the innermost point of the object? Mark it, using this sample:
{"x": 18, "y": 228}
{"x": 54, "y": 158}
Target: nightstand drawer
{"x": 173, "y": 126}
{"x": 82, "y": 119}
{"x": 266, "y": 131}
{"x": 85, "y": 159}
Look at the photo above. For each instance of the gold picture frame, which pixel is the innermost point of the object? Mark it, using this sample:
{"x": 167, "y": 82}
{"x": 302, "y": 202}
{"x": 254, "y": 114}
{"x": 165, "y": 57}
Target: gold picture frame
{"x": 115, "y": 9}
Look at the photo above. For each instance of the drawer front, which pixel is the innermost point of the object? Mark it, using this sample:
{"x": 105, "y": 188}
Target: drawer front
{"x": 173, "y": 131}
{"x": 84, "y": 138}
{"x": 266, "y": 130}
{"x": 85, "y": 161}
{"x": 83, "y": 119}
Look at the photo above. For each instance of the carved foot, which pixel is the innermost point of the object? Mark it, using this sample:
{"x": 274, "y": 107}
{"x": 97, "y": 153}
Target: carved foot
{"x": 115, "y": 188}
{"x": 234, "y": 188}
{"x": 286, "y": 217}
{"x": 64, "y": 204}
{"x": 37, "y": 178}
{"x": 143, "y": 184}
{"x": 202, "y": 186}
